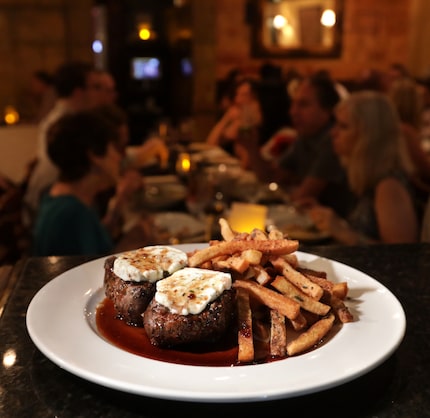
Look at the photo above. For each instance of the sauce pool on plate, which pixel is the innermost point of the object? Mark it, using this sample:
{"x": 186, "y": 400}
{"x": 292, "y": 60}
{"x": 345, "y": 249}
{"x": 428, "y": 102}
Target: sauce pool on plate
{"x": 134, "y": 340}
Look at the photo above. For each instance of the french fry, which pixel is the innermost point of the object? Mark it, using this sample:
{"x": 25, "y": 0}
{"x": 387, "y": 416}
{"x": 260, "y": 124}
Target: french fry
{"x": 258, "y": 234}
{"x": 270, "y": 247}
{"x": 325, "y": 284}
{"x": 261, "y": 332}
{"x": 311, "y": 272}
{"x": 340, "y": 309}
{"x": 276, "y": 234}
{"x": 287, "y": 288}
{"x": 206, "y": 265}
{"x": 245, "y": 334}
{"x": 274, "y": 300}
{"x": 251, "y": 273}
{"x": 291, "y": 259}
{"x": 235, "y": 262}
{"x": 298, "y": 279}
{"x": 300, "y": 322}
{"x": 261, "y": 276}
{"x": 252, "y": 256}
{"x": 340, "y": 290}
{"x": 226, "y": 232}
{"x": 311, "y": 337}
{"x": 238, "y": 262}
{"x": 278, "y": 334}
{"x": 274, "y": 293}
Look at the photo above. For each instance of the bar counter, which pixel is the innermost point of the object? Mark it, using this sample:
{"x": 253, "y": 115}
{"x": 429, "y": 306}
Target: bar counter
{"x": 33, "y": 386}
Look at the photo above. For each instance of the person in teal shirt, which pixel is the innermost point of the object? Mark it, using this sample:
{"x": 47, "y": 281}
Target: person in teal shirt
{"x": 80, "y": 231}
{"x": 83, "y": 146}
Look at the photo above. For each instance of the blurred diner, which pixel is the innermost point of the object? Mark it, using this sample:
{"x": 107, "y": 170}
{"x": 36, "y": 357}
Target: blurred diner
{"x": 369, "y": 79}
{"x": 14, "y": 237}
{"x": 42, "y": 94}
{"x": 309, "y": 168}
{"x": 77, "y": 88}
{"x": 108, "y": 92}
{"x": 225, "y": 89}
{"x": 151, "y": 150}
{"x": 425, "y": 129}
{"x": 133, "y": 158}
{"x": 368, "y": 139}
{"x": 274, "y": 99}
{"x": 342, "y": 91}
{"x": 242, "y": 116}
{"x": 408, "y": 101}
{"x": 425, "y": 226}
{"x": 82, "y": 145}
{"x": 396, "y": 71}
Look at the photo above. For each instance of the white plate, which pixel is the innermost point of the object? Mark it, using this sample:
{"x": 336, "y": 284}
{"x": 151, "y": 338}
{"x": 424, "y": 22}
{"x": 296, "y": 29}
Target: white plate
{"x": 162, "y": 195}
{"x": 287, "y": 215}
{"x": 163, "y": 179}
{"x": 179, "y": 224}
{"x": 296, "y": 224}
{"x": 60, "y": 321}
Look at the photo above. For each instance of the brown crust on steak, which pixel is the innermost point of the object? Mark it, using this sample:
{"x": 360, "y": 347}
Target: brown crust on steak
{"x": 166, "y": 329}
{"x": 130, "y": 298}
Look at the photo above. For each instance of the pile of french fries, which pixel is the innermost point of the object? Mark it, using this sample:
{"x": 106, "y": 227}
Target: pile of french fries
{"x": 282, "y": 309}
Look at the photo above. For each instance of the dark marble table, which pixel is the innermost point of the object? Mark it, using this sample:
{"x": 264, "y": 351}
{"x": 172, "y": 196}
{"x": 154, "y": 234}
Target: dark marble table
{"x": 35, "y": 387}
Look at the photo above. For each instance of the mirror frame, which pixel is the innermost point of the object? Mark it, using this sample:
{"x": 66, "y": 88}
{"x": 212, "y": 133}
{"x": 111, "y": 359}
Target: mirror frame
{"x": 259, "y": 50}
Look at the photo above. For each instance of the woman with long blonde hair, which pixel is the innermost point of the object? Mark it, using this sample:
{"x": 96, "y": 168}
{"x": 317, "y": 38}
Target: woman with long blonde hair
{"x": 368, "y": 140}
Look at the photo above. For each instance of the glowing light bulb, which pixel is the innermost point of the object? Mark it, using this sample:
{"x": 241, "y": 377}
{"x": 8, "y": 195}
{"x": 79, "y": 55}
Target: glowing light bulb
{"x": 9, "y": 358}
{"x": 11, "y": 116}
{"x": 328, "y": 18}
{"x": 279, "y": 22}
{"x": 144, "y": 34}
{"x": 97, "y": 46}
{"x": 183, "y": 164}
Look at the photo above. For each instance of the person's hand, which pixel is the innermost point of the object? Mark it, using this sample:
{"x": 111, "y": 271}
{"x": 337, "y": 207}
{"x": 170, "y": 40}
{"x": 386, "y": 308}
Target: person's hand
{"x": 302, "y": 203}
{"x": 232, "y": 114}
{"x": 230, "y": 123}
{"x": 250, "y": 114}
{"x": 153, "y": 148}
{"x": 325, "y": 219}
{"x": 129, "y": 183}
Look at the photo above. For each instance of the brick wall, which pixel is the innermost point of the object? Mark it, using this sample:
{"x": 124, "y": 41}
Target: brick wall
{"x": 39, "y": 34}
{"x": 375, "y": 34}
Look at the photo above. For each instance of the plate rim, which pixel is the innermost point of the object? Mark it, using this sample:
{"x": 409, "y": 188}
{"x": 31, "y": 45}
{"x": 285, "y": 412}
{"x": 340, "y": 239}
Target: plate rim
{"x": 81, "y": 367}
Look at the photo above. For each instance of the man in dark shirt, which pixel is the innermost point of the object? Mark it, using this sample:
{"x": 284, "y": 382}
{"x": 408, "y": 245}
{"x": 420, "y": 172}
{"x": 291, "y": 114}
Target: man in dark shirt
{"x": 309, "y": 169}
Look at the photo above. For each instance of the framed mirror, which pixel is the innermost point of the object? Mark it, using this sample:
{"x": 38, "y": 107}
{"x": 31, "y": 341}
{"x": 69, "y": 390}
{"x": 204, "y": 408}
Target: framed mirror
{"x": 296, "y": 28}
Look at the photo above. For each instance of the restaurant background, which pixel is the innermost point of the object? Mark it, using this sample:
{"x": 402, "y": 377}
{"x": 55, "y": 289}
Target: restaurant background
{"x": 214, "y": 35}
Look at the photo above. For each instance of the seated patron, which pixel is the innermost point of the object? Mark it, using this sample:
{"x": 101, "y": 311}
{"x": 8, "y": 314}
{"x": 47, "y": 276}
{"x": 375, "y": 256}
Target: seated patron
{"x": 77, "y": 88}
{"x": 243, "y": 114}
{"x": 425, "y": 226}
{"x": 408, "y": 102}
{"x": 133, "y": 158}
{"x": 42, "y": 93}
{"x": 368, "y": 139}
{"x": 309, "y": 168}
{"x": 82, "y": 146}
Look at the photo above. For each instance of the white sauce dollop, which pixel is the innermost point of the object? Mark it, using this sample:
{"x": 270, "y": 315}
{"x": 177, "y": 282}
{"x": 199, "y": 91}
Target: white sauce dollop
{"x": 150, "y": 263}
{"x": 190, "y": 290}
